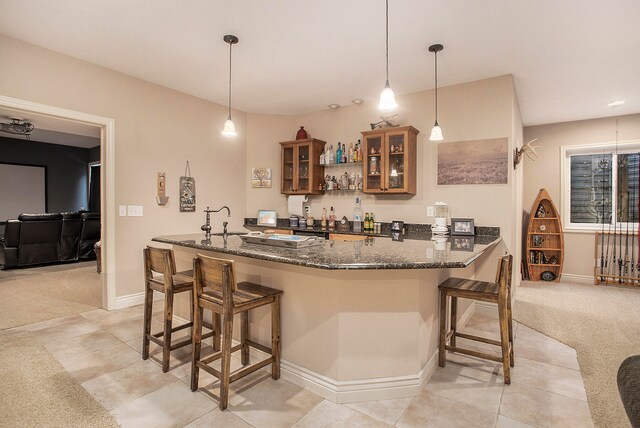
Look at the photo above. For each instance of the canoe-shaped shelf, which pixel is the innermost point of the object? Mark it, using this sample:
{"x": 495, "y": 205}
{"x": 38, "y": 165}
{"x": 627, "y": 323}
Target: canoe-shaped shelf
{"x": 545, "y": 243}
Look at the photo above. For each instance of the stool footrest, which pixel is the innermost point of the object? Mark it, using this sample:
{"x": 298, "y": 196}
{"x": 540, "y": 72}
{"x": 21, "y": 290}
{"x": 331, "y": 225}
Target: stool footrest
{"x": 173, "y": 330}
{"x": 185, "y": 342}
{"x": 473, "y": 353}
{"x": 478, "y": 339}
{"x": 259, "y": 346}
{"x": 249, "y": 369}
{"x": 217, "y": 355}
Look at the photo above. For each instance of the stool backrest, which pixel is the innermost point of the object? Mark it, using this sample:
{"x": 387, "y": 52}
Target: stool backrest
{"x": 216, "y": 274}
{"x": 503, "y": 275}
{"x": 159, "y": 260}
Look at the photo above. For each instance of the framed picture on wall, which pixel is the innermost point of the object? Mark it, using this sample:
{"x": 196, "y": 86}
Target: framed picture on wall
{"x": 462, "y": 226}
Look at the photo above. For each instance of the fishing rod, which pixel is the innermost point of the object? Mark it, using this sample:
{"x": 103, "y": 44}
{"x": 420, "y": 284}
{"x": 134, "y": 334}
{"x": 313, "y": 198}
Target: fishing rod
{"x": 608, "y": 253}
{"x": 626, "y": 240}
{"x": 633, "y": 245}
{"x": 602, "y": 165}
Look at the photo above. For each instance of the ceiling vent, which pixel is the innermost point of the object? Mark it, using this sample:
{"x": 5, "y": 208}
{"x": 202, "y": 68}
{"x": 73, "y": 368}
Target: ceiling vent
{"x": 17, "y": 126}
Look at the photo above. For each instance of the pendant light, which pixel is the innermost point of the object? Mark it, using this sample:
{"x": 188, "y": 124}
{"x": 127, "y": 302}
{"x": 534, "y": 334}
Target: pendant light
{"x": 387, "y": 98}
{"x": 229, "y": 129}
{"x": 436, "y": 132}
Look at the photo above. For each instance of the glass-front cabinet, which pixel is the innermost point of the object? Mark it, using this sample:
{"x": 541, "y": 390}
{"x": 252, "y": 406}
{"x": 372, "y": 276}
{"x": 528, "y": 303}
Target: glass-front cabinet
{"x": 390, "y": 160}
{"x": 301, "y": 173}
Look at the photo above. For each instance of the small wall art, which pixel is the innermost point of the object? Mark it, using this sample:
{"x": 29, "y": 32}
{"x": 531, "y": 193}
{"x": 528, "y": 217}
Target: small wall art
{"x": 187, "y": 191}
{"x": 261, "y": 177}
{"x": 474, "y": 162}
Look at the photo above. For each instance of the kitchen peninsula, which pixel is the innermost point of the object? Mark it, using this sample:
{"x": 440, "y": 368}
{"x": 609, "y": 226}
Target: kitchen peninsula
{"x": 359, "y": 319}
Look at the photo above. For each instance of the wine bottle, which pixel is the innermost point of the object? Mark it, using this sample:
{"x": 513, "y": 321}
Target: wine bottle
{"x": 357, "y": 217}
{"x": 344, "y": 153}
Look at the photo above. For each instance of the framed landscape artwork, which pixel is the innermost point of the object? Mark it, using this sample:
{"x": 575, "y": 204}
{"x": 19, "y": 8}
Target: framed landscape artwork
{"x": 473, "y": 162}
{"x": 260, "y": 177}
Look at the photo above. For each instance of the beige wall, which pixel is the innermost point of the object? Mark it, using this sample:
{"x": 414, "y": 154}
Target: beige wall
{"x": 476, "y": 110}
{"x": 545, "y": 173}
{"x": 156, "y": 129}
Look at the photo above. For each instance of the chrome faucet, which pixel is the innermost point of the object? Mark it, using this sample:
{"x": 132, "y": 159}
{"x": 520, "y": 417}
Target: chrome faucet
{"x": 224, "y": 224}
{"x": 223, "y": 208}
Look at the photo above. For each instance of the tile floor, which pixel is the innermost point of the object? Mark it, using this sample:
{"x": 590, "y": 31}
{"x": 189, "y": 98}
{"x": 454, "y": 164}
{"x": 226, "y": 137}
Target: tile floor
{"x": 102, "y": 350}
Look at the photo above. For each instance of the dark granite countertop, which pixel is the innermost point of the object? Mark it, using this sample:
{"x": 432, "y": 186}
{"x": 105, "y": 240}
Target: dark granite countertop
{"x": 419, "y": 252}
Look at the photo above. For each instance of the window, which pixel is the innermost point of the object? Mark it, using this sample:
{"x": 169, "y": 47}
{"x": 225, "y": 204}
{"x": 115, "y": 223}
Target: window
{"x": 601, "y": 186}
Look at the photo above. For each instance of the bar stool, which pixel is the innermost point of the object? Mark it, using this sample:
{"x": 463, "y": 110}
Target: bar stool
{"x": 498, "y": 292}
{"x": 215, "y": 289}
{"x": 162, "y": 262}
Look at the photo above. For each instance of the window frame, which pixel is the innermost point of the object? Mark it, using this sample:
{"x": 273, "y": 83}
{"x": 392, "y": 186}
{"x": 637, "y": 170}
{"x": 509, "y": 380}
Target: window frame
{"x": 623, "y": 147}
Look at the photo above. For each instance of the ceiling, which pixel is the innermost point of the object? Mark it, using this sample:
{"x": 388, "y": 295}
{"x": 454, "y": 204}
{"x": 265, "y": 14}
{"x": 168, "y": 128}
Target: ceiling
{"x": 53, "y": 130}
{"x": 569, "y": 59}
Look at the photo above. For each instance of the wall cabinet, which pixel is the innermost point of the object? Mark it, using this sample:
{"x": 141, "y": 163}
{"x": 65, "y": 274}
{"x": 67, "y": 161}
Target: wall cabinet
{"x": 300, "y": 171}
{"x": 390, "y": 160}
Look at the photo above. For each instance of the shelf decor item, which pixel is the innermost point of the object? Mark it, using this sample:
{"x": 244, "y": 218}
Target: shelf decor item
{"x": 302, "y": 134}
{"x": 462, "y": 226}
{"x": 545, "y": 243}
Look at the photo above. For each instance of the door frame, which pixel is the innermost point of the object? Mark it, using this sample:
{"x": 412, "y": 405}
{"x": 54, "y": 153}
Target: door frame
{"x": 107, "y": 183}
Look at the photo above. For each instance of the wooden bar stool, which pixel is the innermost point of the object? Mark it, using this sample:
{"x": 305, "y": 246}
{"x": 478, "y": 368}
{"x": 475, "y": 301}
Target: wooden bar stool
{"x": 166, "y": 280}
{"x": 498, "y": 292}
{"x": 215, "y": 289}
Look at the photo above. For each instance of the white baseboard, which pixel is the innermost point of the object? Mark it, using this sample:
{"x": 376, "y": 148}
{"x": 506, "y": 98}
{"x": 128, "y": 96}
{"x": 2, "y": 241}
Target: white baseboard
{"x": 581, "y": 279}
{"x": 135, "y": 299}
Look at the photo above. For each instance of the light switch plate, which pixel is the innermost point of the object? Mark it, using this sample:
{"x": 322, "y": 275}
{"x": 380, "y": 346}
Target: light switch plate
{"x": 430, "y": 212}
{"x": 122, "y": 209}
{"x": 134, "y": 210}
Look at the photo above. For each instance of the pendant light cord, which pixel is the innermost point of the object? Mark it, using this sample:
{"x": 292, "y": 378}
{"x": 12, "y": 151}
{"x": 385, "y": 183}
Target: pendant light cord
{"x": 436, "y": 54}
{"x": 387, "y": 37}
{"x": 230, "y": 45}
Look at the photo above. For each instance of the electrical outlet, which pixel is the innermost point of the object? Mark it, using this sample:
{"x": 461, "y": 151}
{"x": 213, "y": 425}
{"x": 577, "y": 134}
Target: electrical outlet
{"x": 430, "y": 212}
{"x": 134, "y": 210}
{"x": 122, "y": 209}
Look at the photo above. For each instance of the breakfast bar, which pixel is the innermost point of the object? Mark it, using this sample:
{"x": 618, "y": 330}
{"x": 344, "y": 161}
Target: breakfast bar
{"x": 359, "y": 318}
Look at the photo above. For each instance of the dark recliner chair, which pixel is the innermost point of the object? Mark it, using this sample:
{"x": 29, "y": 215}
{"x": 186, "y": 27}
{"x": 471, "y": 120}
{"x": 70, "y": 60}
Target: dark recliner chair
{"x": 9, "y": 244}
{"x": 70, "y": 237}
{"x": 39, "y": 240}
{"x": 89, "y": 236}
{"x": 629, "y": 387}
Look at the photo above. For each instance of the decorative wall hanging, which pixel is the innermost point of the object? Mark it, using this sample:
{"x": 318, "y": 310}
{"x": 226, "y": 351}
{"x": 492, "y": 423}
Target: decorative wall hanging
{"x": 528, "y": 149}
{"x": 261, "y": 177}
{"x": 386, "y": 122}
{"x": 187, "y": 191}
{"x": 474, "y": 162}
{"x": 162, "y": 198}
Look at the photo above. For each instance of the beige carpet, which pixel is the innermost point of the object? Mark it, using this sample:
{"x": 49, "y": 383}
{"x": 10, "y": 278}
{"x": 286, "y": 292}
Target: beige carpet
{"x": 601, "y": 323}
{"x": 43, "y": 293}
{"x": 37, "y": 391}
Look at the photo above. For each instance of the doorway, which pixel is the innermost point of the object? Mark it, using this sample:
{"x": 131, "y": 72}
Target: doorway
{"x": 106, "y": 182}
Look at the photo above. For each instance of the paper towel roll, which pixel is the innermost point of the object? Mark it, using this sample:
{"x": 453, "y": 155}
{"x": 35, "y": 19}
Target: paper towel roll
{"x": 296, "y": 204}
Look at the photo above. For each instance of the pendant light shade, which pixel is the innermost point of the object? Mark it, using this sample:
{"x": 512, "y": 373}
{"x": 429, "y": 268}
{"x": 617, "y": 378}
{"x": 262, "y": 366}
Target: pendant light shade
{"x": 436, "y": 132}
{"x": 387, "y": 97}
{"x": 229, "y": 129}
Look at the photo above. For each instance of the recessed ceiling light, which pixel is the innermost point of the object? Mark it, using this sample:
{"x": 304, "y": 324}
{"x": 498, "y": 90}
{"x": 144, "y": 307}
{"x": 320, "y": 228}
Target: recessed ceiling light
{"x": 334, "y": 106}
{"x": 357, "y": 101}
{"x": 615, "y": 103}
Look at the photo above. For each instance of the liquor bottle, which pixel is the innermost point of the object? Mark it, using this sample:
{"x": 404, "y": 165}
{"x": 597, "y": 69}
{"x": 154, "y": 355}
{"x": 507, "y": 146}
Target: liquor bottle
{"x": 322, "y": 158}
{"x": 332, "y": 219}
{"x": 323, "y": 219}
{"x": 366, "y": 222}
{"x": 359, "y": 151}
{"x": 357, "y": 217}
{"x": 372, "y": 222}
{"x": 350, "y": 158}
{"x": 339, "y": 154}
{"x": 344, "y": 153}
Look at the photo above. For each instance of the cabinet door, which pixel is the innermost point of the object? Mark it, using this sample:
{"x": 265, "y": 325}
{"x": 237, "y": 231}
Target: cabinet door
{"x": 303, "y": 169}
{"x": 396, "y": 165}
{"x": 288, "y": 169}
{"x": 374, "y": 163}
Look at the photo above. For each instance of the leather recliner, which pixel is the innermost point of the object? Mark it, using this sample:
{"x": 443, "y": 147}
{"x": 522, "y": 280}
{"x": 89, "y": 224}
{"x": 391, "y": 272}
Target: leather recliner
{"x": 89, "y": 236}
{"x": 39, "y": 240}
{"x": 9, "y": 244}
{"x": 70, "y": 236}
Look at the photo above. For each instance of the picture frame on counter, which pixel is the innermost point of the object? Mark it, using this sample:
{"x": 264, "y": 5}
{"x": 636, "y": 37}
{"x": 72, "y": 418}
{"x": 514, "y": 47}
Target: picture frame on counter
{"x": 267, "y": 218}
{"x": 462, "y": 227}
{"x": 462, "y": 243}
{"x": 397, "y": 226}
